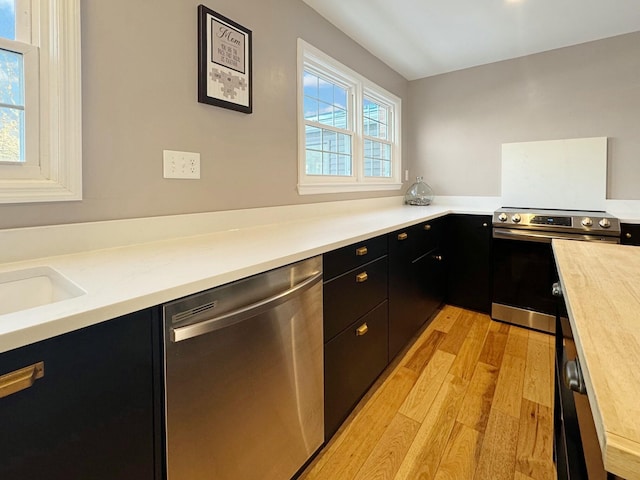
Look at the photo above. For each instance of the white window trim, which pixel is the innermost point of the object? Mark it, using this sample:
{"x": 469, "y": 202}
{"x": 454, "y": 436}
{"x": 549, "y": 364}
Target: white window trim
{"x": 58, "y": 174}
{"x": 310, "y": 57}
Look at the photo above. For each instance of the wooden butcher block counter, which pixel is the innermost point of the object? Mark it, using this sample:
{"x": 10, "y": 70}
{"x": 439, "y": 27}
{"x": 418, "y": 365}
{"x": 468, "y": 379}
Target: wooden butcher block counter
{"x": 601, "y": 286}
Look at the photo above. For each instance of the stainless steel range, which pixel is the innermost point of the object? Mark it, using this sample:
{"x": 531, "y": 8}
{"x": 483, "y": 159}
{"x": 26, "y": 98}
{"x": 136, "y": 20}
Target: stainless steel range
{"x": 523, "y": 265}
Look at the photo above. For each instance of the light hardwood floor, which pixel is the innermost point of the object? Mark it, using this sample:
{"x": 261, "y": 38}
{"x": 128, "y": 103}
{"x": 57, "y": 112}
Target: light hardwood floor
{"x": 470, "y": 399}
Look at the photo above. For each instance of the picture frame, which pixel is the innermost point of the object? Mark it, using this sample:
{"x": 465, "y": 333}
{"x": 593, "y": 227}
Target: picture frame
{"x": 224, "y": 62}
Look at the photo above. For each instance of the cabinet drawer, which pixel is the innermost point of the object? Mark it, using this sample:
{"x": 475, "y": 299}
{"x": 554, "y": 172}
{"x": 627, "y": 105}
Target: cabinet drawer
{"x": 342, "y": 260}
{"x": 410, "y": 243}
{"x": 352, "y": 363}
{"x": 351, "y": 295}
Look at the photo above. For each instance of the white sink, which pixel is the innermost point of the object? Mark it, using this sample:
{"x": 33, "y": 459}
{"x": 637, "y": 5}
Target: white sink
{"x": 32, "y": 287}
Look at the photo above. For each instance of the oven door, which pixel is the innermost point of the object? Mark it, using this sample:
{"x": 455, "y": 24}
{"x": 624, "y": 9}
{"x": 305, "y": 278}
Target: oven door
{"x": 523, "y": 270}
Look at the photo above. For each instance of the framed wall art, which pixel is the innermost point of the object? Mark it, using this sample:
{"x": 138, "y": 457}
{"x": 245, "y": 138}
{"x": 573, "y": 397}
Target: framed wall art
{"x": 224, "y": 62}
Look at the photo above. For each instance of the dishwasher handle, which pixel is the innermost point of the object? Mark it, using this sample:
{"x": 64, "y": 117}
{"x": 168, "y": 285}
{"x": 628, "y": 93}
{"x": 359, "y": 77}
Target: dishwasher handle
{"x": 179, "y": 334}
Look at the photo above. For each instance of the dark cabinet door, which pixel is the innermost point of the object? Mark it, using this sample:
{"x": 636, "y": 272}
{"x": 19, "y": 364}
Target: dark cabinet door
{"x": 91, "y": 416}
{"x": 416, "y": 280}
{"x": 468, "y": 254}
{"x": 630, "y": 234}
{"x": 353, "y": 360}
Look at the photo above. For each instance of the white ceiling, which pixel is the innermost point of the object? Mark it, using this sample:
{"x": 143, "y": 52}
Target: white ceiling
{"x": 420, "y": 38}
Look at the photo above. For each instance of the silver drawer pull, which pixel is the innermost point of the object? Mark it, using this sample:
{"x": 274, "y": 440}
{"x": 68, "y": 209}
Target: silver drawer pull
{"x": 362, "y": 330}
{"x": 18, "y": 380}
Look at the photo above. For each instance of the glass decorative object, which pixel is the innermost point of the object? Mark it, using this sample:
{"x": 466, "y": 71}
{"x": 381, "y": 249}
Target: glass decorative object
{"x": 419, "y": 194}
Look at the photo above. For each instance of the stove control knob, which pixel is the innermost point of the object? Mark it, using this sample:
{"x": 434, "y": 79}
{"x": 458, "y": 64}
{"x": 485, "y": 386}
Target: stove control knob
{"x": 516, "y": 218}
{"x": 502, "y": 217}
{"x": 604, "y": 223}
{"x": 587, "y": 222}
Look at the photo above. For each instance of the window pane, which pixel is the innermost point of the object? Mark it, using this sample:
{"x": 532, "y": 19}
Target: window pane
{"x": 314, "y": 162}
{"x": 8, "y": 19}
{"x": 377, "y": 159}
{"x": 310, "y": 109}
{"x": 313, "y": 138}
{"x": 340, "y": 118}
{"x": 11, "y": 85}
{"x": 340, "y": 97}
{"x": 325, "y": 90}
{"x": 329, "y": 141}
{"x": 344, "y": 144}
{"x": 11, "y": 135}
{"x": 310, "y": 83}
{"x": 325, "y": 115}
{"x": 376, "y": 119}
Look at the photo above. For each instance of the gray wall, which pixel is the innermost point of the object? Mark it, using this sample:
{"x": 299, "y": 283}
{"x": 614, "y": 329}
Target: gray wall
{"x": 458, "y": 121}
{"x": 140, "y": 97}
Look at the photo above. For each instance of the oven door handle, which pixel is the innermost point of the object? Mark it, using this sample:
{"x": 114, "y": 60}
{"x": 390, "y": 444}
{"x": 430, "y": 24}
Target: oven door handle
{"x": 546, "y": 237}
{"x": 525, "y": 236}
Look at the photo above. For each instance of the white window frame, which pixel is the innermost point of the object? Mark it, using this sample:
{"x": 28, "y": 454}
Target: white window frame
{"x": 48, "y": 34}
{"x": 316, "y": 61}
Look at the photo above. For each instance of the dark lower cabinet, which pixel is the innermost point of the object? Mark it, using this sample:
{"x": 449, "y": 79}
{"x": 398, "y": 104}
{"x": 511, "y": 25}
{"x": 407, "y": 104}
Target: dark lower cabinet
{"x": 355, "y": 325}
{"x": 91, "y": 416}
{"x": 630, "y": 234}
{"x": 468, "y": 253}
{"x": 353, "y": 360}
{"x": 416, "y": 280}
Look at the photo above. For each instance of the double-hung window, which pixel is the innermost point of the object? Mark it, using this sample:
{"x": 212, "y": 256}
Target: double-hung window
{"x": 348, "y": 128}
{"x": 40, "y": 101}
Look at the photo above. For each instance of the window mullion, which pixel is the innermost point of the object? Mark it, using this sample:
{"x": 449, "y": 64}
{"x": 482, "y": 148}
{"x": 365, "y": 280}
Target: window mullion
{"x": 358, "y": 147}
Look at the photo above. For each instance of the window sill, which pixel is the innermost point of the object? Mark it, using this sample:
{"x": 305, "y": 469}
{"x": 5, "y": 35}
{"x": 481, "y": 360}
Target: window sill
{"x": 312, "y": 189}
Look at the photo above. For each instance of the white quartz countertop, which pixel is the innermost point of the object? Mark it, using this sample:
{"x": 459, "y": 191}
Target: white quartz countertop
{"x": 132, "y": 275}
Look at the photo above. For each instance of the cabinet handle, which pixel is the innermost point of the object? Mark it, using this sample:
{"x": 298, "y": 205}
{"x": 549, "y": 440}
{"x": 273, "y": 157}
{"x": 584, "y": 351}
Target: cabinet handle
{"x": 437, "y": 257}
{"x": 362, "y": 277}
{"x": 427, "y": 227}
{"x": 361, "y": 330}
{"x": 402, "y": 236}
{"x": 17, "y": 380}
{"x": 485, "y": 224}
{"x": 628, "y": 235}
{"x": 361, "y": 251}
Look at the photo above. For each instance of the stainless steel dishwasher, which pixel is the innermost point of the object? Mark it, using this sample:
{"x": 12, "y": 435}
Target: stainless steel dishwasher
{"x": 244, "y": 377}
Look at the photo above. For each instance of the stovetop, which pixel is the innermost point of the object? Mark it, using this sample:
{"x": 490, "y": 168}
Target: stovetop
{"x": 575, "y": 221}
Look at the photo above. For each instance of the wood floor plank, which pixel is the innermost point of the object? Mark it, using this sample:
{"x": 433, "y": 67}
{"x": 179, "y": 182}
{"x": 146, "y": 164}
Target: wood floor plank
{"x": 458, "y": 333}
{"x": 461, "y": 455}
{"x": 476, "y": 406}
{"x": 348, "y": 453}
{"x": 521, "y": 476}
{"x": 517, "y": 341}
{"x": 423, "y": 458}
{"x": 538, "y": 375}
{"x": 508, "y": 395}
{"x": 499, "y": 446}
{"x": 418, "y": 358}
{"x": 494, "y": 344}
{"x": 467, "y": 356}
{"x": 535, "y": 441}
{"x": 422, "y": 395}
{"x": 446, "y": 318}
{"x": 389, "y": 452}
{"x": 454, "y": 425}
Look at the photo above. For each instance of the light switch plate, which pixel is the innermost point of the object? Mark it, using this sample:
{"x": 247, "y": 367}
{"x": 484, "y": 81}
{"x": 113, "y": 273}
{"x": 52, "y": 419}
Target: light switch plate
{"x": 181, "y": 164}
